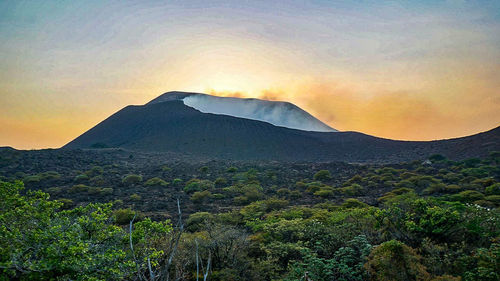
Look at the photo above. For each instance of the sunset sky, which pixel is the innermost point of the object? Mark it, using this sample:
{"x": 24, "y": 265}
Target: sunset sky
{"x": 412, "y": 70}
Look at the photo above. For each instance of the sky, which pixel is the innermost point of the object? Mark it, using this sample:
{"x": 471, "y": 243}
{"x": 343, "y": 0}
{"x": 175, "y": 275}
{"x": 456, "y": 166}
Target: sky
{"x": 410, "y": 70}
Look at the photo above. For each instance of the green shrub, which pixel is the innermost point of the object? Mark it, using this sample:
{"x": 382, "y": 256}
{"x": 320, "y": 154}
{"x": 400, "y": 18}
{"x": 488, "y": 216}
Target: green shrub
{"x": 295, "y": 194}
{"x": 50, "y": 175}
{"x": 351, "y": 203}
{"x": 107, "y": 191}
{"x": 200, "y": 196}
{"x": 352, "y": 190}
{"x": 198, "y": 185}
{"x": 452, "y": 188}
{"x": 78, "y": 188}
{"x": 132, "y": 179}
{"x": 33, "y": 179}
{"x": 218, "y": 196}
{"x": 240, "y": 200}
{"x": 435, "y": 188}
{"x": 493, "y": 198}
{"x": 325, "y": 192}
{"x": 135, "y": 197}
{"x": 232, "y": 170}
{"x": 493, "y": 189}
{"x": 81, "y": 178}
{"x": 117, "y": 203}
{"x": 393, "y": 260}
{"x": 468, "y": 196}
{"x": 54, "y": 190}
{"x": 314, "y": 186}
{"x": 94, "y": 190}
{"x": 283, "y": 192}
{"x": 124, "y": 216}
{"x": 98, "y": 180}
{"x": 155, "y": 182}
{"x": 197, "y": 221}
{"x": 485, "y": 203}
{"x": 322, "y": 175}
{"x": 67, "y": 203}
{"x": 220, "y": 181}
{"x": 259, "y": 208}
{"x": 95, "y": 170}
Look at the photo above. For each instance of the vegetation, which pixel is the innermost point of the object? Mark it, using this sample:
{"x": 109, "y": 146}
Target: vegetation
{"x": 433, "y": 220}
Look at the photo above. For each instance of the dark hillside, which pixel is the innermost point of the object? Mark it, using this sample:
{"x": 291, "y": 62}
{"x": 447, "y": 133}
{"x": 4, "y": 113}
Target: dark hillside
{"x": 171, "y": 126}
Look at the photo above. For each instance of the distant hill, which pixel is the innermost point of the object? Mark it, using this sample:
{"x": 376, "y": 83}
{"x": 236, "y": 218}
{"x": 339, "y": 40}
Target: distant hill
{"x": 166, "y": 124}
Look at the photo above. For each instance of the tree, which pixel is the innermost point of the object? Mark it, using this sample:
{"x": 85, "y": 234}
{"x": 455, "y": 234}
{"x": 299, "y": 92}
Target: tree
{"x": 39, "y": 241}
{"x": 393, "y": 260}
{"x": 322, "y": 175}
{"x": 346, "y": 264}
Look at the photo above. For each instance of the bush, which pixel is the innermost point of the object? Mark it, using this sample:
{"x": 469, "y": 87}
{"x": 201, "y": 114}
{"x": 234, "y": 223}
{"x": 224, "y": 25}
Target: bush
{"x": 197, "y": 221}
{"x": 493, "y": 189}
{"x": 198, "y": 185}
{"x": 316, "y": 186}
{"x": 220, "y": 181}
{"x": 33, "y": 179}
{"x": 124, "y": 216}
{"x": 283, "y": 192}
{"x": 94, "y": 190}
{"x": 485, "y": 203}
{"x": 435, "y": 188}
{"x": 232, "y": 170}
{"x": 352, "y": 190}
{"x": 132, "y": 179}
{"x": 98, "y": 180}
{"x": 452, "y": 188}
{"x": 66, "y": 203}
{"x": 351, "y": 203}
{"x": 81, "y": 178}
{"x": 240, "y": 200}
{"x": 322, "y": 175}
{"x": 107, "y": 191}
{"x": 295, "y": 194}
{"x": 218, "y": 196}
{"x": 155, "y": 182}
{"x": 135, "y": 197}
{"x": 95, "y": 170}
{"x": 54, "y": 190}
{"x": 493, "y": 198}
{"x": 393, "y": 260}
{"x": 324, "y": 192}
{"x": 200, "y": 196}
{"x": 468, "y": 196}
{"x": 78, "y": 188}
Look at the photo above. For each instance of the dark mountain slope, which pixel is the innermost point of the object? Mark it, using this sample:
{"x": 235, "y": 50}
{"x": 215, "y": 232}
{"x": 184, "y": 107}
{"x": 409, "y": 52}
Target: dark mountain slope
{"x": 171, "y": 126}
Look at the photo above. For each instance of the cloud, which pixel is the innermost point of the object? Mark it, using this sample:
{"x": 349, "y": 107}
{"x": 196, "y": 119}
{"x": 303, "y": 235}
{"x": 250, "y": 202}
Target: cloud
{"x": 406, "y": 115}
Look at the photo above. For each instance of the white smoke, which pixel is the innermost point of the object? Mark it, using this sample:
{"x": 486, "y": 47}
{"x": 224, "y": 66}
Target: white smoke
{"x": 277, "y": 113}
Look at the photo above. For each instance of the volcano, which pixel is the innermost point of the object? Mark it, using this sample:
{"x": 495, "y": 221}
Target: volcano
{"x": 251, "y": 129}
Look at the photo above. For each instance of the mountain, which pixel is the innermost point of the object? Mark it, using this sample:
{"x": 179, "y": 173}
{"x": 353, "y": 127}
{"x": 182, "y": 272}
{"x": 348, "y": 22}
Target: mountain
{"x": 278, "y": 113}
{"x": 168, "y": 124}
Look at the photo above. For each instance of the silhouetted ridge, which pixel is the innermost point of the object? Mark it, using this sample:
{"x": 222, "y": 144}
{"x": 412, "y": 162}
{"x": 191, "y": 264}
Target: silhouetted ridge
{"x": 168, "y": 125}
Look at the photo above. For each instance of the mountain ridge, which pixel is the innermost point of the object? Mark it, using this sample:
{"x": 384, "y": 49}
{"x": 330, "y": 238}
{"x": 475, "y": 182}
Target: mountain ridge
{"x": 172, "y": 126}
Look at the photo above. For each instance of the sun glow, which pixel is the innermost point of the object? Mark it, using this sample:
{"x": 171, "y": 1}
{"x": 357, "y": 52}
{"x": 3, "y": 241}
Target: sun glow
{"x": 353, "y": 66}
